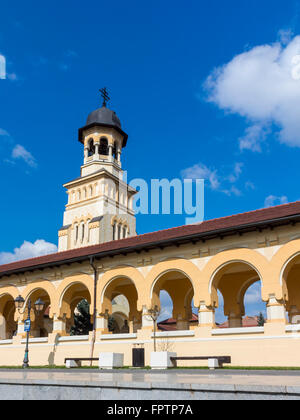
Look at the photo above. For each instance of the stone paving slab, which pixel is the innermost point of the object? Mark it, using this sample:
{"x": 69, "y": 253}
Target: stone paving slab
{"x": 133, "y": 384}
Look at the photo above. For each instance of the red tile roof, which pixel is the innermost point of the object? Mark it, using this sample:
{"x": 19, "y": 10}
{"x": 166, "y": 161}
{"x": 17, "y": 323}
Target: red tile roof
{"x": 170, "y": 324}
{"x": 226, "y": 225}
{"x": 248, "y": 321}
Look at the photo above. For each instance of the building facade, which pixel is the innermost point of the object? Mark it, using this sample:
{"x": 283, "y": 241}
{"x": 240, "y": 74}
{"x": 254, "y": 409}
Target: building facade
{"x": 102, "y": 260}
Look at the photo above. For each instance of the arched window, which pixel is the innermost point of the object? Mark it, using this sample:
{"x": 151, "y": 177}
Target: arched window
{"x": 114, "y": 231}
{"x": 82, "y": 233}
{"x": 115, "y": 151}
{"x": 124, "y": 232}
{"x": 91, "y": 151}
{"x": 119, "y": 231}
{"x": 103, "y": 150}
{"x": 76, "y": 233}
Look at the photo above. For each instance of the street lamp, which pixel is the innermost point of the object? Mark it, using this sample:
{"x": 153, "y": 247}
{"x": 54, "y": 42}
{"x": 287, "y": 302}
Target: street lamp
{"x": 38, "y": 307}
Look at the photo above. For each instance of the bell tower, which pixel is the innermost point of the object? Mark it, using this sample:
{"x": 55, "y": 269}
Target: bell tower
{"x": 100, "y": 203}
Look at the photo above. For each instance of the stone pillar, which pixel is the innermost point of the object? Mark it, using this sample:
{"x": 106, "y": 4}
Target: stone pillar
{"x": 147, "y": 322}
{"x": 102, "y": 323}
{"x": 235, "y": 320}
{"x": 294, "y": 315}
{"x": 60, "y": 325}
{"x": 275, "y": 310}
{"x": 2, "y": 327}
{"x": 137, "y": 324}
{"x": 110, "y": 152}
{"x": 181, "y": 323}
{"x": 97, "y": 148}
{"x": 20, "y": 329}
{"x": 206, "y": 316}
{"x": 119, "y": 157}
{"x": 86, "y": 154}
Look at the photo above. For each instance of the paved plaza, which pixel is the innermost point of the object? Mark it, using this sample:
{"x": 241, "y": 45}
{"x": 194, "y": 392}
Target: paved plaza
{"x": 144, "y": 384}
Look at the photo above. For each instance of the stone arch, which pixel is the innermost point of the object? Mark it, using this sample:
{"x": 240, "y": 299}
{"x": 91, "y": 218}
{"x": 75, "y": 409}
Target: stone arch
{"x": 42, "y": 325}
{"x": 217, "y": 263}
{"x": 84, "y": 281}
{"x": 178, "y": 281}
{"x": 287, "y": 269}
{"x": 187, "y": 268}
{"x": 8, "y": 324}
{"x": 128, "y": 272}
{"x": 44, "y": 285}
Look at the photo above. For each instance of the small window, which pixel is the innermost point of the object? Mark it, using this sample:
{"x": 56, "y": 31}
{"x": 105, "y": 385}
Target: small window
{"x": 114, "y": 231}
{"x": 115, "y": 151}
{"x": 103, "y": 150}
{"x": 119, "y": 231}
{"x": 82, "y": 237}
{"x": 91, "y": 151}
{"x": 76, "y": 233}
{"x": 124, "y": 232}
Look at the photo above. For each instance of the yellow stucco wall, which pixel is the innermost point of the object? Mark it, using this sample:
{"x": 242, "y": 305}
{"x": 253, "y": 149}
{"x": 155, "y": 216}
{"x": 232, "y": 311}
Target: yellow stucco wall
{"x": 192, "y": 271}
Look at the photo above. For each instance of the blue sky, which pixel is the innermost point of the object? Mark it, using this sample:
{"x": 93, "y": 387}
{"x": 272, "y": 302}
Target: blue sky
{"x": 202, "y": 88}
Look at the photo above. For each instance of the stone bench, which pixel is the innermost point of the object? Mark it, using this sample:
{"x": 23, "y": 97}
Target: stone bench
{"x": 74, "y": 362}
{"x": 214, "y": 362}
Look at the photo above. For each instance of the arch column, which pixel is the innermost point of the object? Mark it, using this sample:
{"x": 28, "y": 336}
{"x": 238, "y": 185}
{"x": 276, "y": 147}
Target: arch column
{"x": 147, "y": 322}
{"x": 235, "y": 320}
{"x": 294, "y": 315}
{"x": 60, "y": 325}
{"x": 97, "y": 148}
{"x": 275, "y": 310}
{"x": 86, "y": 154}
{"x": 2, "y": 327}
{"x": 206, "y": 316}
{"x": 110, "y": 152}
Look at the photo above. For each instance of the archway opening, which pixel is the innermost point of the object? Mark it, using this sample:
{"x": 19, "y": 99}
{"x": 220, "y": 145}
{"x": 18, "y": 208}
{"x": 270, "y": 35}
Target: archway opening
{"x": 41, "y": 323}
{"x": 291, "y": 289}
{"x": 179, "y": 288}
{"x": 237, "y": 292}
{"x": 76, "y": 310}
{"x": 8, "y": 326}
{"x": 120, "y": 302}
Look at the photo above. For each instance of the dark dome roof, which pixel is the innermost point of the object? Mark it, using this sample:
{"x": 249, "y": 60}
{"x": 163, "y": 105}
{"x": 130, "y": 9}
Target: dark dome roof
{"x": 103, "y": 116}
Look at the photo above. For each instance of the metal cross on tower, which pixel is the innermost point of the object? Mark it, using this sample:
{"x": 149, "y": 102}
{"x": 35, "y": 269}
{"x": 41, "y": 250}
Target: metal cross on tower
{"x": 105, "y": 96}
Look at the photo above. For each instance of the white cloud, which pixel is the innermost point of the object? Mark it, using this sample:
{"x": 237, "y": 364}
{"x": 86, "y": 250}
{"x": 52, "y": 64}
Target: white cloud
{"x": 201, "y": 171}
{"x": 19, "y": 152}
{"x": 263, "y": 86}
{"x": 253, "y": 137}
{"x": 273, "y": 200}
{"x": 216, "y": 181}
{"x": 28, "y": 250}
{"x": 4, "y": 133}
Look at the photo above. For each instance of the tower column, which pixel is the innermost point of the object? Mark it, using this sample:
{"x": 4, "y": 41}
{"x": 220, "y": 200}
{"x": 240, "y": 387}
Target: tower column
{"x": 110, "y": 152}
{"x": 119, "y": 156}
{"x": 97, "y": 148}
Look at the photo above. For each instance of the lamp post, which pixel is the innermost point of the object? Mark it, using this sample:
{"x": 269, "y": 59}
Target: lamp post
{"x": 38, "y": 307}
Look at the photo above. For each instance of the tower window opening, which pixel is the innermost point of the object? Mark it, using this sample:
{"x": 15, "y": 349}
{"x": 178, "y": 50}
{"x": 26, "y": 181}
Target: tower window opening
{"x": 114, "y": 231}
{"x": 76, "y": 233}
{"x": 82, "y": 237}
{"x": 124, "y": 232}
{"x": 91, "y": 151}
{"x": 114, "y": 151}
{"x": 119, "y": 231}
{"x": 103, "y": 150}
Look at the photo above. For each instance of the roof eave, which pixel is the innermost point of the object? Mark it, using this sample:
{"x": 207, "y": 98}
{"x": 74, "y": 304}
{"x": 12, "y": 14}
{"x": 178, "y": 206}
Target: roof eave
{"x": 196, "y": 237}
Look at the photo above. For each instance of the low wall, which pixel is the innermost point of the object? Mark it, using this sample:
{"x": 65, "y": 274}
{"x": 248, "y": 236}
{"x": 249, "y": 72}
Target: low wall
{"x": 272, "y": 345}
